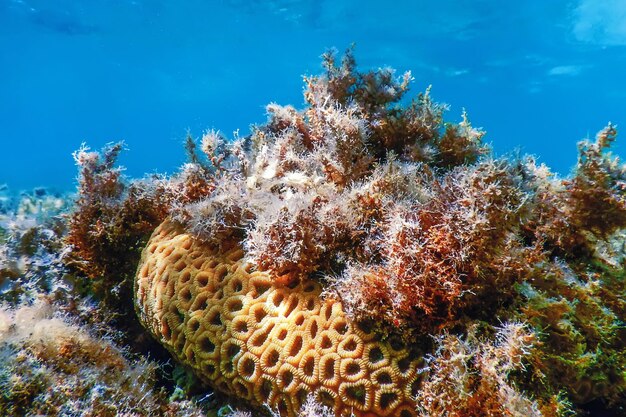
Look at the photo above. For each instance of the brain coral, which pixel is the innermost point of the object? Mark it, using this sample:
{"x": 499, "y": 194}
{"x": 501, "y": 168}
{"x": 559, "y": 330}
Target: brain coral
{"x": 266, "y": 344}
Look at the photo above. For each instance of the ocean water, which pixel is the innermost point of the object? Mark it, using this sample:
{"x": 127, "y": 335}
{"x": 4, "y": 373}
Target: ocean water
{"x": 537, "y": 75}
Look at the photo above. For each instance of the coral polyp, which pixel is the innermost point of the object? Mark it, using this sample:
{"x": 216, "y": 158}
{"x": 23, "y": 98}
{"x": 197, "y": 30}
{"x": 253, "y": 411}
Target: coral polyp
{"x": 265, "y": 343}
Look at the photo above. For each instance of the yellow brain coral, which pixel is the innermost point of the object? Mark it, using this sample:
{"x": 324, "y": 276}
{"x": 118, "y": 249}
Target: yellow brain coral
{"x": 267, "y": 344}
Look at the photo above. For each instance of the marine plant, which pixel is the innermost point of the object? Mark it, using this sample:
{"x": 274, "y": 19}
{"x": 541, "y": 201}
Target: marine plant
{"x": 50, "y": 366}
{"x": 111, "y": 220}
{"x": 30, "y": 245}
{"x": 406, "y": 223}
{"x": 59, "y": 354}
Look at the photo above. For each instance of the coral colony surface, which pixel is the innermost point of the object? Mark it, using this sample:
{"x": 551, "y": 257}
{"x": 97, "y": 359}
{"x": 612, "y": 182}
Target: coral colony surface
{"x": 360, "y": 256}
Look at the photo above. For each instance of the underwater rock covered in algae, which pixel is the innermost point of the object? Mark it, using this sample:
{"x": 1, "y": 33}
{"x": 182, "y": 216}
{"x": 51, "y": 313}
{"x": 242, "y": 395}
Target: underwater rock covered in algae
{"x": 507, "y": 279}
{"x": 58, "y": 354}
{"x": 52, "y": 367}
{"x": 30, "y": 244}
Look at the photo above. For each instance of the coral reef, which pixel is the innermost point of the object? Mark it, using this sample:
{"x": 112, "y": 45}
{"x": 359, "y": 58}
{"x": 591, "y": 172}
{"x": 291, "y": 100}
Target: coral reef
{"x": 266, "y": 344}
{"x": 508, "y": 280}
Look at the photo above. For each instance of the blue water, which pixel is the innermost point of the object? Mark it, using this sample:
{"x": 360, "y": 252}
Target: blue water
{"x": 537, "y": 75}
